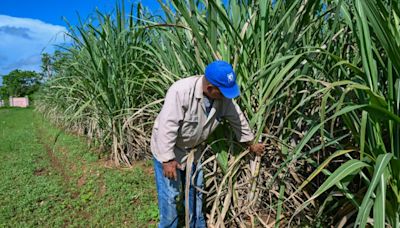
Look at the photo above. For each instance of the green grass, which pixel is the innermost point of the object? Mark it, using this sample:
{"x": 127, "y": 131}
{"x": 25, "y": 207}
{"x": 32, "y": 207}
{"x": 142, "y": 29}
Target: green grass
{"x": 65, "y": 183}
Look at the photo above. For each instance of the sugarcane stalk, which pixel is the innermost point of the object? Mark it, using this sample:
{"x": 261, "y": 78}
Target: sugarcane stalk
{"x": 189, "y": 164}
{"x": 255, "y": 170}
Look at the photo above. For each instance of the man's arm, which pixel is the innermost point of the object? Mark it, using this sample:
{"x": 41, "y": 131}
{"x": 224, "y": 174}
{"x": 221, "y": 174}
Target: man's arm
{"x": 241, "y": 128}
{"x": 169, "y": 119}
{"x": 238, "y": 122}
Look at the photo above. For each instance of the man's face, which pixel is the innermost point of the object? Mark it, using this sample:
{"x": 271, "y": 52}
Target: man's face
{"x": 214, "y": 93}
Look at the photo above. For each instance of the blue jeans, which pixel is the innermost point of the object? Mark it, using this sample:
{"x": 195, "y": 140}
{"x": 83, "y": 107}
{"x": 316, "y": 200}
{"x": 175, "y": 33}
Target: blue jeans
{"x": 168, "y": 192}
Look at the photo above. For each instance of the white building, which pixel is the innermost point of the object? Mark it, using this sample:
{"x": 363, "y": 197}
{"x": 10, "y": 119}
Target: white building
{"x": 22, "y": 102}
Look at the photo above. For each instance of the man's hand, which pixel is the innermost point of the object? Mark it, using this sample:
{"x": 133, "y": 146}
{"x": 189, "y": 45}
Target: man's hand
{"x": 169, "y": 169}
{"x": 257, "y": 148}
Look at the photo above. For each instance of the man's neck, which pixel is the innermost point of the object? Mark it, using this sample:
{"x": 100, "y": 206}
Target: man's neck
{"x": 205, "y": 96}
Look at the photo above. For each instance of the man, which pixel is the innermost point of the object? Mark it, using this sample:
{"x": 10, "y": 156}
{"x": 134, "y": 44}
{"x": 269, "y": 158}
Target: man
{"x": 192, "y": 109}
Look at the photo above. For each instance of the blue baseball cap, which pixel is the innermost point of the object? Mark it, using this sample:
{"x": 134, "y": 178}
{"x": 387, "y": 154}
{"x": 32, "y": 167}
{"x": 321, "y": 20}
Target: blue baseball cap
{"x": 220, "y": 74}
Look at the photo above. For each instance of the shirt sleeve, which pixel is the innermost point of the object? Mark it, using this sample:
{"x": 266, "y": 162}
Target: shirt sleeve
{"x": 169, "y": 120}
{"x": 238, "y": 122}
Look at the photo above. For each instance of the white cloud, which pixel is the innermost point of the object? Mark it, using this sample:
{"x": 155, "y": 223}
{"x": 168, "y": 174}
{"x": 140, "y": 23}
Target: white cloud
{"x": 23, "y": 40}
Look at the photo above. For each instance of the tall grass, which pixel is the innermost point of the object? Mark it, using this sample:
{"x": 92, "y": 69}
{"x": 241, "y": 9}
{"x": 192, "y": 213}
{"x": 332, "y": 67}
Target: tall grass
{"x": 108, "y": 78}
{"x": 374, "y": 119}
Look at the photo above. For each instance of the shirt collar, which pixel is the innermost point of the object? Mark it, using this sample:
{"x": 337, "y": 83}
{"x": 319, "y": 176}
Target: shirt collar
{"x": 199, "y": 88}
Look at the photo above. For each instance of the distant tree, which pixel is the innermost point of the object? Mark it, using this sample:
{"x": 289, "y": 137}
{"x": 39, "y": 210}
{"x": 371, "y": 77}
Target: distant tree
{"x": 20, "y": 83}
{"x": 47, "y": 66}
{"x": 3, "y": 93}
{"x": 60, "y": 61}
{"x": 53, "y": 65}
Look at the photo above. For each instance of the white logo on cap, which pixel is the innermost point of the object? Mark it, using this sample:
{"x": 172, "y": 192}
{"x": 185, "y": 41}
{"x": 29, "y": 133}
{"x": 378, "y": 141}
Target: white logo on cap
{"x": 230, "y": 77}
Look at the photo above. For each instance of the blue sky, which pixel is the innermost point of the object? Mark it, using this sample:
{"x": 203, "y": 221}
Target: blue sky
{"x": 30, "y": 27}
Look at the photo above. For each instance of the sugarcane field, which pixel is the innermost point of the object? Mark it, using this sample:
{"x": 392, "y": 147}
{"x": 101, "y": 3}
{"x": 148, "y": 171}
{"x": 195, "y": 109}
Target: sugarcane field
{"x": 200, "y": 113}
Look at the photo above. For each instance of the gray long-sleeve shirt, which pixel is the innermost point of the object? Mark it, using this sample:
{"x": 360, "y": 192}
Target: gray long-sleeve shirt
{"x": 183, "y": 123}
